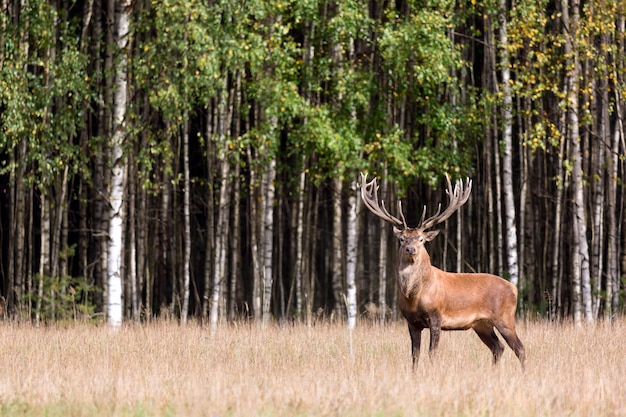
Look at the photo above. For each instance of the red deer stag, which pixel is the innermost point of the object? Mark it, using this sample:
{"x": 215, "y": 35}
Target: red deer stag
{"x": 431, "y": 298}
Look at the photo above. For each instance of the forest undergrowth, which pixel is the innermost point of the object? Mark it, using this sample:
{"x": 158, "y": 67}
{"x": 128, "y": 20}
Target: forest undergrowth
{"x": 245, "y": 369}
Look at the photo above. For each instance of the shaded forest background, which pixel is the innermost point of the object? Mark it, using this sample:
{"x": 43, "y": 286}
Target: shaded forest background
{"x": 232, "y": 134}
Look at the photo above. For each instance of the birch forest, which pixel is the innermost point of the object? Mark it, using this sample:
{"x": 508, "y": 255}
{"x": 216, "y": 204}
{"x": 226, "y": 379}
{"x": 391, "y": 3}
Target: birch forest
{"x": 199, "y": 159}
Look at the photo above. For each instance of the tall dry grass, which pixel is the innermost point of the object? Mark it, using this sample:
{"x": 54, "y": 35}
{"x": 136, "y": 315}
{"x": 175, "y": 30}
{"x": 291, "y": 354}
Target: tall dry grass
{"x": 163, "y": 369}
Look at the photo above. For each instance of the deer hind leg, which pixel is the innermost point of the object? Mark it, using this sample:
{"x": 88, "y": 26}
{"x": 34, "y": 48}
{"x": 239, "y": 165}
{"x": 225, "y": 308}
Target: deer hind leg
{"x": 510, "y": 336}
{"x": 435, "y": 333}
{"x": 488, "y": 336}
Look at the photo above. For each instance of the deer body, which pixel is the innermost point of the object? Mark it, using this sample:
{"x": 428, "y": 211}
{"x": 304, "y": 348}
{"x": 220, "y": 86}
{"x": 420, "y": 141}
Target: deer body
{"x": 431, "y": 298}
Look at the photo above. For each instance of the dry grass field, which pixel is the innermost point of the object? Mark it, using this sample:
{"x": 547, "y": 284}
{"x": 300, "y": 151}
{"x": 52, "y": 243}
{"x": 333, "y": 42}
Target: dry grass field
{"x": 163, "y": 369}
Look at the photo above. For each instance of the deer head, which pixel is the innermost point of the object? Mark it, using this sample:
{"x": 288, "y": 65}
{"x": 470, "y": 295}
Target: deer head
{"x": 413, "y": 239}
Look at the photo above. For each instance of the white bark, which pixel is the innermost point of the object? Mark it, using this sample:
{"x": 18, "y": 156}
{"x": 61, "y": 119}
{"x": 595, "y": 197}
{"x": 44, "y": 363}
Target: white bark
{"x": 337, "y": 257}
{"x": 599, "y": 166}
{"x": 613, "y": 280}
{"x": 613, "y": 237}
{"x": 255, "y": 241}
{"x": 220, "y": 240}
{"x": 382, "y": 257}
{"x": 352, "y": 254}
{"x": 558, "y": 209}
{"x": 507, "y": 157}
{"x": 132, "y": 249}
{"x": 300, "y": 243}
{"x": 187, "y": 220}
{"x": 619, "y": 138}
{"x": 580, "y": 274}
{"x": 269, "y": 177}
{"x": 44, "y": 256}
{"x": 116, "y": 187}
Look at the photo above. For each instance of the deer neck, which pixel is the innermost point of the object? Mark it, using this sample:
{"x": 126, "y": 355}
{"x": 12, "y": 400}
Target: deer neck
{"x": 414, "y": 272}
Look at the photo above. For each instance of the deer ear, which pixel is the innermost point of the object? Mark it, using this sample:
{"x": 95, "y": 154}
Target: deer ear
{"x": 428, "y": 236}
{"x": 397, "y": 231}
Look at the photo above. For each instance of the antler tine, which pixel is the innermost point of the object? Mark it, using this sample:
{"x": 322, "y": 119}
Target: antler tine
{"x": 457, "y": 197}
{"x": 369, "y": 195}
{"x": 402, "y": 214}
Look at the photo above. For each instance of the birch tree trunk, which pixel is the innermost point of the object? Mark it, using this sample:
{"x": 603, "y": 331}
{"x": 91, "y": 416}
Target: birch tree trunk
{"x": 613, "y": 280}
{"x": 337, "y": 254}
{"x": 383, "y": 227}
{"x": 44, "y": 256}
{"x": 220, "y": 241}
{"x": 145, "y": 257}
{"x": 558, "y": 210}
{"x": 186, "y": 220}
{"x": 612, "y": 227}
{"x": 580, "y": 273}
{"x": 269, "y": 176}
{"x": 507, "y": 157}
{"x": 134, "y": 292}
{"x": 497, "y": 256}
{"x": 351, "y": 255}
{"x": 255, "y": 240}
{"x": 209, "y": 254}
{"x": 118, "y": 171}
{"x": 235, "y": 242}
{"x": 598, "y": 182}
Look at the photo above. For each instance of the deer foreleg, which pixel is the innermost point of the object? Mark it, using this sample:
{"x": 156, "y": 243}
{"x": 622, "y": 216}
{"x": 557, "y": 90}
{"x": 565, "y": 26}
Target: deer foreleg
{"x": 416, "y": 339}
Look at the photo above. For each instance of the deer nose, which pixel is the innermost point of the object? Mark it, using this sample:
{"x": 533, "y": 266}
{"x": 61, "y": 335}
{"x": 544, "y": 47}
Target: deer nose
{"x": 410, "y": 250}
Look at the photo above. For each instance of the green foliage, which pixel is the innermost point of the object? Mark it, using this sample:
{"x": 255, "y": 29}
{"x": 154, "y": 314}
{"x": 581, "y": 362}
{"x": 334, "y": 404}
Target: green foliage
{"x": 43, "y": 95}
{"x": 179, "y": 65}
{"x": 64, "y": 298}
{"x": 417, "y": 52}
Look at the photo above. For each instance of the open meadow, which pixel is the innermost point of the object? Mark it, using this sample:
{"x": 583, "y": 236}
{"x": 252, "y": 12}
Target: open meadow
{"x": 163, "y": 369}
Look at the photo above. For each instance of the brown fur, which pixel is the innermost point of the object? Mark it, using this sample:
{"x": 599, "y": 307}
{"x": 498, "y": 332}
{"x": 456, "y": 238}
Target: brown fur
{"x": 431, "y": 298}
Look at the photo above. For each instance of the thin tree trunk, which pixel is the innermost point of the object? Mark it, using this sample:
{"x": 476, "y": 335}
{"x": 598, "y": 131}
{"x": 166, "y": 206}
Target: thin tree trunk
{"x": 143, "y": 276}
{"x": 580, "y": 273}
{"x": 299, "y": 268}
{"x": 131, "y": 243}
{"x": 351, "y": 254}
{"x": 383, "y": 227}
{"x": 220, "y": 239}
{"x": 57, "y": 221}
{"x": 44, "y": 256}
{"x": 235, "y": 243}
{"x": 18, "y": 265}
{"x": 308, "y": 249}
{"x": 498, "y": 228}
{"x": 235, "y": 240}
{"x": 599, "y": 168}
{"x": 612, "y": 226}
{"x": 186, "y": 220}
{"x": 310, "y": 294}
{"x": 118, "y": 172}
{"x": 269, "y": 177}
{"x": 337, "y": 254}
{"x": 209, "y": 254}
{"x": 255, "y": 228}
{"x": 556, "y": 250}
{"x": 84, "y": 234}
{"x": 507, "y": 157}
{"x": 618, "y": 138}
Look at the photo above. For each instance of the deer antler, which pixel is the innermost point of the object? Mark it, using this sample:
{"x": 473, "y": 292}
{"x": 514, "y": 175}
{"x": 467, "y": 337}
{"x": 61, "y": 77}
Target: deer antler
{"x": 369, "y": 194}
{"x": 457, "y": 196}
